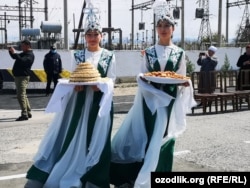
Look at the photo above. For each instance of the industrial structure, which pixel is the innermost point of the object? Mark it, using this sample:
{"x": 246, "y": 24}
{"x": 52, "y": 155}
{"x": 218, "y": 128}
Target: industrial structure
{"x": 107, "y": 30}
{"x": 50, "y": 32}
{"x": 143, "y": 7}
{"x": 243, "y": 33}
{"x": 205, "y": 34}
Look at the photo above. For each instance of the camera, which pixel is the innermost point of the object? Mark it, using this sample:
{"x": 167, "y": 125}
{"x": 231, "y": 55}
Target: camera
{"x": 202, "y": 53}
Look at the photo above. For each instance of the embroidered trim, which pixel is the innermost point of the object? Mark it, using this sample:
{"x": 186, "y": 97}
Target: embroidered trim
{"x": 103, "y": 62}
{"x": 174, "y": 58}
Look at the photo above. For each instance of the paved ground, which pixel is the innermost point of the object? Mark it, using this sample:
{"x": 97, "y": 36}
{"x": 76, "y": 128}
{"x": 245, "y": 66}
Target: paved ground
{"x": 214, "y": 142}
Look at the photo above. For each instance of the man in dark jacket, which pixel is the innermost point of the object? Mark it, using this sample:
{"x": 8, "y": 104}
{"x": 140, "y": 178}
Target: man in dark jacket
{"x": 244, "y": 64}
{"x": 21, "y": 71}
{"x": 53, "y": 67}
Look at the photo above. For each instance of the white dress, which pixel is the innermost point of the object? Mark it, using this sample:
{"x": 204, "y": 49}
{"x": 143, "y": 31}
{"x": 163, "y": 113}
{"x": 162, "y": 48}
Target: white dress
{"x": 65, "y": 164}
{"x": 130, "y": 144}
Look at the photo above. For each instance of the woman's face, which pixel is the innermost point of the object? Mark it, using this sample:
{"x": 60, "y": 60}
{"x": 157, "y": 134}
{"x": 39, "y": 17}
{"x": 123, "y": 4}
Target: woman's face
{"x": 164, "y": 29}
{"x": 93, "y": 38}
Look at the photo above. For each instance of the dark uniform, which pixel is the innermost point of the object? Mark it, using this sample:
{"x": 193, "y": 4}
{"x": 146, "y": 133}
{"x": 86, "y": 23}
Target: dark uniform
{"x": 240, "y": 63}
{"x": 53, "y": 67}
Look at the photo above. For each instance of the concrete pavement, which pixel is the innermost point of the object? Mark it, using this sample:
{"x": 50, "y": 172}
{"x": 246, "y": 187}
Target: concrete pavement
{"x": 215, "y": 142}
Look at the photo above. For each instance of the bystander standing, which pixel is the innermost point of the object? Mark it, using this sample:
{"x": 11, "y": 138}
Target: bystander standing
{"x": 208, "y": 61}
{"x": 53, "y": 67}
{"x": 244, "y": 64}
{"x": 21, "y": 71}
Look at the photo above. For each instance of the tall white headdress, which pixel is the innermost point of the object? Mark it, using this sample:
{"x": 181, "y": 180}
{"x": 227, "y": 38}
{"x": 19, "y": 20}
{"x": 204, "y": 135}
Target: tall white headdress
{"x": 162, "y": 11}
{"x": 92, "y": 21}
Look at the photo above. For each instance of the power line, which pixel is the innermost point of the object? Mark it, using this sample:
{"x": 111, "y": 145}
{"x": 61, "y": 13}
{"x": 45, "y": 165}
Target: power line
{"x": 23, "y": 16}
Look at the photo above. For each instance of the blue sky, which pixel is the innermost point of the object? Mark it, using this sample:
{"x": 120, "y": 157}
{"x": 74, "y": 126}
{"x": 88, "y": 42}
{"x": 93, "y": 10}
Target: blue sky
{"x": 121, "y": 17}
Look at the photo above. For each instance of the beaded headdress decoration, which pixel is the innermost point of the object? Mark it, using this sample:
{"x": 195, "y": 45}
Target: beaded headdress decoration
{"x": 92, "y": 21}
{"x": 162, "y": 11}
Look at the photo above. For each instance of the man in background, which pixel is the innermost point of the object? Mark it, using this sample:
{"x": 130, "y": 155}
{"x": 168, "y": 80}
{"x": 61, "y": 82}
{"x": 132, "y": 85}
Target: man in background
{"x": 244, "y": 64}
{"x": 21, "y": 71}
{"x": 53, "y": 67}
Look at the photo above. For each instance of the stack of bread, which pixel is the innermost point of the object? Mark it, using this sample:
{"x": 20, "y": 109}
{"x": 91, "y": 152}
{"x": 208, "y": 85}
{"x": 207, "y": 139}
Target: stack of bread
{"x": 85, "y": 72}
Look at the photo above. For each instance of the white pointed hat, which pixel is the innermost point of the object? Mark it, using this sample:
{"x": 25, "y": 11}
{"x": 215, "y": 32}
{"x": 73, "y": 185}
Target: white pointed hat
{"x": 162, "y": 11}
{"x": 92, "y": 21}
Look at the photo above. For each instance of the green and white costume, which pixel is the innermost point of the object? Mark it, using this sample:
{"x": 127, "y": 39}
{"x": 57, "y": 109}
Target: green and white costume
{"x": 145, "y": 141}
{"x": 75, "y": 151}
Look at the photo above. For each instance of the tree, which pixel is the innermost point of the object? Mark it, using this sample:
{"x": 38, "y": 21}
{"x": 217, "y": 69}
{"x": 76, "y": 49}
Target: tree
{"x": 226, "y": 66}
{"x": 190, "y": 66}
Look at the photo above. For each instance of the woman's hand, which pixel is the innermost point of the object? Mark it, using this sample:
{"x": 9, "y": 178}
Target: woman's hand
{"x": 143, "y": 79}
{"x": 79, "y": 88}
{"x": 185, "y": 84}
{"x": 95, "y": 88}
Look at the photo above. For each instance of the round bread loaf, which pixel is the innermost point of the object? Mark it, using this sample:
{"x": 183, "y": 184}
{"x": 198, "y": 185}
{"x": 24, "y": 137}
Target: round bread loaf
{"x": 85, "y": 72}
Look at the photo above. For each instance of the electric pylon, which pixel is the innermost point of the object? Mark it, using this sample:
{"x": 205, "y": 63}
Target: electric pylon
{"x": 205, "y": 34}
{"x": 244, "y": 29}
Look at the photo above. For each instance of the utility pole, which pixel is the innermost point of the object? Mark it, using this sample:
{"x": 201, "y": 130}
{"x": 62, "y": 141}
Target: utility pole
{"x": 132, "y": 26}
{"x": 78, "y": 30}
{"x": 227, "y": 16}
{"x": 219, "y": 23}
{"x": 20, "y": 18}
{"x": 31, "y": 14}
{"x": 182, "y": 25}
{"x": 46, "y": 10}
{"x": 66, "y": 40}
{"x": 109, "y": 25}
{"x": 5, "y": 29}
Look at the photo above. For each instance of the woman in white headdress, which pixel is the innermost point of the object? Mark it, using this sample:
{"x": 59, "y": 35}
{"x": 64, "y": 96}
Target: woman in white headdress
{"x": 76, "y": 150}
{"x": 145, "y": 141}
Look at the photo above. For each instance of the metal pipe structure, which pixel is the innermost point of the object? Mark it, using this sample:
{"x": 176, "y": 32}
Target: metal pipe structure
{"x": 109, "y": 25}
{"x": 227, "y": 17}
{"x": 20, "y": 18}
{"x": 31, "y": 14}
{"x": 132, "y": 26}
{"x": 66, "y": 40}
{"x": 79, "y": 26}
{"x": 5, "y": 29}
{"x": 46, "y": 10}
{"x": 219, "y": 23}
{"x": 182, "y": 25}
